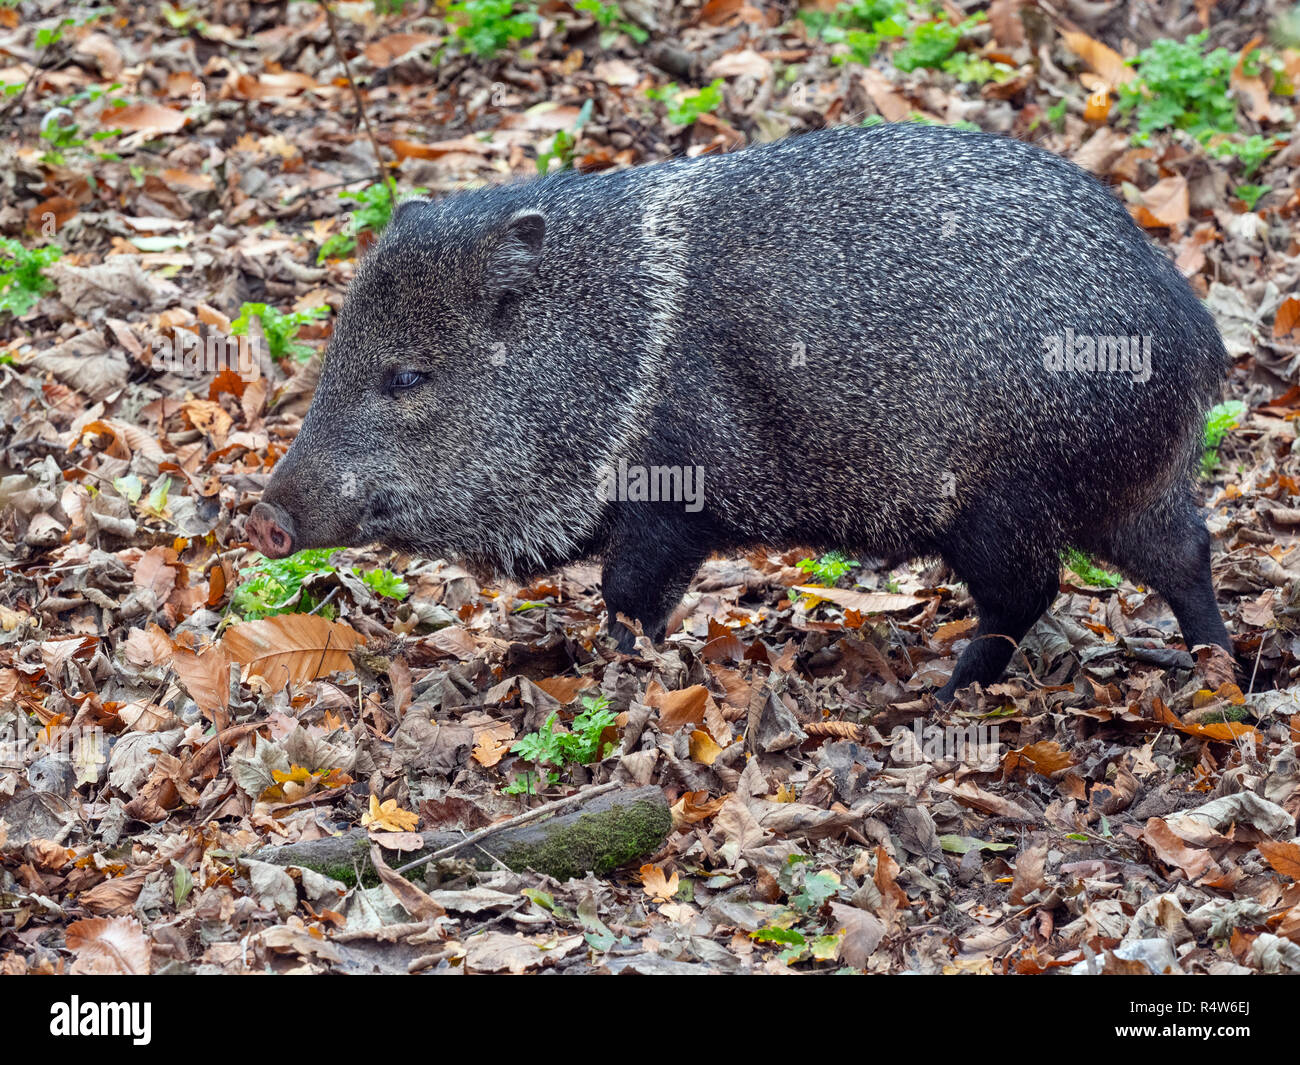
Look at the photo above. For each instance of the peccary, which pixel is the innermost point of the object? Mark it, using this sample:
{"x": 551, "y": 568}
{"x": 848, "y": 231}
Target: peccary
{"x": 900, "y": 341}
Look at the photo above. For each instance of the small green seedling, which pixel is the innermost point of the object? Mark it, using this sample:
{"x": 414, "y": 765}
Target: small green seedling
{"x": 275, "y": 585}
{"x": 801, "y": 929}
{"x": 581, "y": 745}
{"x": 22, "y": 283}
{"x": 564, "y": 144}
{"x": 828, "y": 569}
{"x": 371, "y": 212}
{"x": 685, "y": 107}
{"x": 1219, "y": 421}
{"x": 483, "y": 28}
{"x": 609, "y": 16}
{"x": 1250, "y": 195}
{"x": 1088, "y": 571}
{"x": 280, "y": 330}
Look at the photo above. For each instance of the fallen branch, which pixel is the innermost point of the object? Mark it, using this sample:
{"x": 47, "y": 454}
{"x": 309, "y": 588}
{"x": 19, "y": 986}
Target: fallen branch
{"x": 595, "y": 830}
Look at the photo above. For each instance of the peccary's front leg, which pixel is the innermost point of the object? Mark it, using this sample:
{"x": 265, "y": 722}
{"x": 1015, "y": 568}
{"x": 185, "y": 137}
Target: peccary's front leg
{"x": 647, "y": 571}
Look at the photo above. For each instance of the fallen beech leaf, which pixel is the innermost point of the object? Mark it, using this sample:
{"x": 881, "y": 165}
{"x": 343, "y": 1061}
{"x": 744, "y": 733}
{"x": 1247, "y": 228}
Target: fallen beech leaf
{"x": 205, "y": 675}
{"x": 143, "y": 117}
{"x": 494, "y": 952}
{"x": 1287, "y": 317}
{"x": 291, "y": 648}
{"x": 413, "y": 900}
{"x": 1103, "y": 59}
{"x": 395, "y": 46}
{"x": 1166, "y": 203}
{"x": 863, "y": 602}
{"x": 106, "y": 945}
{"x": 696, "y": 806}
{"x": 1284, "y": 857}
{"x": 703, "y": 748}
{"x": 677, "y": 709}
{"x": 1045, "y": 758}
{"x": 1170, "y": 848}
{"x": 564, "y": 689}
{"x": 1029, "y": 872}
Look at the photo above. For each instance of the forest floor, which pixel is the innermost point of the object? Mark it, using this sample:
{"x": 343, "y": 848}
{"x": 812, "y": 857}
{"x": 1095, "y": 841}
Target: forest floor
{"x": 1129, "y": 805}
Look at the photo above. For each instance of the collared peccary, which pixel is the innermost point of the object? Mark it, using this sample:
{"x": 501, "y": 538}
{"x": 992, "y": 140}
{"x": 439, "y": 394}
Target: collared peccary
{"x": 899, "y": 341}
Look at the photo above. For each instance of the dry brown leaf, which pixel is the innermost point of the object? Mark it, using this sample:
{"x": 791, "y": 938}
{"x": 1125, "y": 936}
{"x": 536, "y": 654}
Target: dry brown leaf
{"x": 656, "y": 885}
{"x": 143, "y": 117}
{"x": 1283, "y": 857}
{"x": 972, "y": 795}
{"x": 1251, "y": 88}
{"x": 291, "y": 648}
{"x": 491, "y": 744}
{"x": 1103, "y": 59}
{"x": 703, "y": 748}
{"x": 1045, "y": 758}
{"x": 1029, "y": 872}
{"x": 105, "y": 945}
{"x": 148, "y": 646}
{"x": 413, "y": 900}
{"x": 205, "y": 675}
{"x": 1287, "y": 317}
{"x": 677, "y": 709}
{"x": 862, "y": 602}
{"x": 564, "y": 689}
{"x": 696, "y": 806}
{"x": 1166, "y": 203}
{"x": 1170, "y": 848}
{"x": 395, "y": 46}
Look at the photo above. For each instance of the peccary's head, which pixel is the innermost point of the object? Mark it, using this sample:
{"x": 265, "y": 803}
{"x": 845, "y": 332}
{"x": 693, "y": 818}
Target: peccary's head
{"x": 429, "y": 428}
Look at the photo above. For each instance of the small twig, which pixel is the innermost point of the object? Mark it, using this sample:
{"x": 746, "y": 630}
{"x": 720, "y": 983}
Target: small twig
{"x": 324, "y": 602}
{"x": 44, "y": 59}
{"x": 1251, "y": 687}
{"x": 389, "y": 183}
{"x": 526, "y": 816}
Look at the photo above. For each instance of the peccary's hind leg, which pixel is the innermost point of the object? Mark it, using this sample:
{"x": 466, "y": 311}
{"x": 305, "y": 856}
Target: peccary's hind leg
{"x": 646, "y": 572}
{"x": 1011, "y": 592}
{"x": 1168, "y": 547}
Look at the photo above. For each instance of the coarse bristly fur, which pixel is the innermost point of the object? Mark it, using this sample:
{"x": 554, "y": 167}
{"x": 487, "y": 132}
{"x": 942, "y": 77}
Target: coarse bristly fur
{"x": 848, "y": 334}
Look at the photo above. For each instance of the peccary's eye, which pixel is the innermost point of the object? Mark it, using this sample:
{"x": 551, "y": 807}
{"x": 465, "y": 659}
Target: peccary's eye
{"x": 404, "y": 379}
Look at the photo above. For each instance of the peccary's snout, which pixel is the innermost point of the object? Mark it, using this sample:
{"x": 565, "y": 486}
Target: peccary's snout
{"x": 271, "y": 530}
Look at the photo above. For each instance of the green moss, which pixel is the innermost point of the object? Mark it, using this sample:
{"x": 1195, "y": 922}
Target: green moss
{"x": 1232, "y": 713}
{"x": 598, "y": 843}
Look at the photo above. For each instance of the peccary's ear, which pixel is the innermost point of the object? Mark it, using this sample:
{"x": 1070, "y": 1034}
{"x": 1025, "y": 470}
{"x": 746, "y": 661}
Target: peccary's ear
{"x": 514, "y": 251}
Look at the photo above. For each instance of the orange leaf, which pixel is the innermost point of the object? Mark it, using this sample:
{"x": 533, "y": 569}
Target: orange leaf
{"x": 291, "y": 647}
{"x": 138, "y": 117}
{"x": 1045, "y": 758}
{"x": 656, "y": 885}
{"x": 703, "y": 748}
{"x": 1284, "y": 857}
{"x": 1103, "y": 59}
{"x": 678, "y": 709}
{"x": 1287, "y": 318}
{"x": 564, "y": 689}
{"x": 388, "y": 817}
